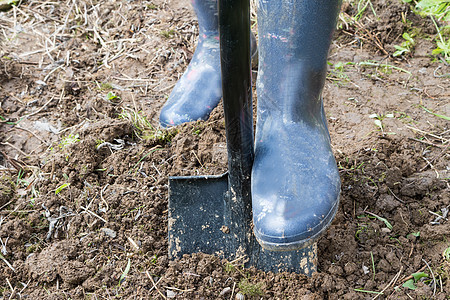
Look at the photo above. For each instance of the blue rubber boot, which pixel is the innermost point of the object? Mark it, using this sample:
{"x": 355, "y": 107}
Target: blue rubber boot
{"x": 295, "y": 181}
{"x": 199, "y": 90}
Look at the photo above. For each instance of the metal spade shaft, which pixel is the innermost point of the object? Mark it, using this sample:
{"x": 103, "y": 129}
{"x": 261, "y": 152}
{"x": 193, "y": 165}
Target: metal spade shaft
{"x": 234, "y": 31}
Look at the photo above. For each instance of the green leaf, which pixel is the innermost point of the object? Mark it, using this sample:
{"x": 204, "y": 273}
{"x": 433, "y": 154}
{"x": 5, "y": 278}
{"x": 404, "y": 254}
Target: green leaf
{"x": 419, "y": 275}
{"x": 437, "y": 51}
{"x": 58, "y": 190}
{"x": 407, "y": 37}
{"x": 446, "y": 254}
{"x": 386, "y": 222}
{"x": 111, "y": 96}
{"x": 410, "y": 284}
{"x": 125, "y": 272}
{"x": 416, "y": 234}
{"x": 378, "y": 123}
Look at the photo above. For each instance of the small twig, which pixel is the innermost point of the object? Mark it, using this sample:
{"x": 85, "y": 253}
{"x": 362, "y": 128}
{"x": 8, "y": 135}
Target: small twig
{"x": 12, "y": 146}
{"x": 232, "y": 291}
{"x": 101, "y": 196}
{"x": 431, "y": 166}
{"x": 33, "y": 134}
{"x": 193, "y": 152}
{"x": 411, "y": 277}
{"x": 151, "y": 289}
{"x": 52, "y": 71}
{"x": 427, "y": 133}
{"x": 440, "y": 76}
{"x": 7, "y": 263}
{"x": 395, "y": 196}
{"x": 425, "y": 142}
{"x": 176, "y": 289}
{"x": 44, "y": 15}
{"x": 432, "y": 274}
{"x": 437, "y": 215}
{"x": 391, "y": 283}
{"x": 41, "y": 108}
{"x": 436, "y": 157}
{"x": 154, "y": 284}
{"x": 94, "y": 214}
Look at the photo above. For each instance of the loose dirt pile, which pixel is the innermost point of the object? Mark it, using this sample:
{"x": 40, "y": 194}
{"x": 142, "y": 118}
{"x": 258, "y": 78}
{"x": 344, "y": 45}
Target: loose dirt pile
{"x": 84, "y": 166}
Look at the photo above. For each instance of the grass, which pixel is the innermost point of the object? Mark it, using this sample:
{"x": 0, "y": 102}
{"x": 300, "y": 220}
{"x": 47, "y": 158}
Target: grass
{"x": 250, "y": 289}
{"x": 168, "y": 33}
{"x": 362, "y": 7}
{"x": 435, "y": 114}
{"x": 144, "y": 130}
{"x": 385, "y": 221}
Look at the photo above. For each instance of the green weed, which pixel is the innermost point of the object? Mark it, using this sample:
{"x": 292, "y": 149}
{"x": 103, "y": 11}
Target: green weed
{"x": 438, "y": 11}
{"x": 61, "y": 187}
{"x": 437, "y": 115}
{"x": 385, "y": 221}
{"x": 111, "y": 96}
{"x": 337, "y": 74}
{"x": 446, "y": 254}
{"x": 250, "y": 289}
{"x": 144, "y": 129}
{"x": 168, "y": 33}
{"x": 362, "y": 6}
{"x": 406, "y": 46}
{"x": 68, "y": 140}
{"x": 411, "y": 283}
{"x": 105, "y": 86}
{"x": 229, "y": 268}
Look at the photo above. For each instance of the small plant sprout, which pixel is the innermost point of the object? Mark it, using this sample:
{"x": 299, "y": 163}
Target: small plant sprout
{"x": 61, "y": 187}
{"x": 378, "y": 120}
{"x": 446, "y": 254}
{"x": 125, "y": 272}
{"x": 111, "y": 96}
{"x": 415, "y": 234}
{"x": 168, "y": 33}
{"x": 437, "y": 10}
{"x": 406, "y": 46}
{"x": 385, "y": 221}
{"x": 411, "y": 283}
{"x": 68, "y": 140}
{"x": 362, "y": 6}
{"x": 337, "y": 74}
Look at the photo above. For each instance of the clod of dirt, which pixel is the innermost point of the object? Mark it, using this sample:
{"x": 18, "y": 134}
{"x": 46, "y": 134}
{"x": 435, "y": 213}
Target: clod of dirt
{"x": 58, "y": 260}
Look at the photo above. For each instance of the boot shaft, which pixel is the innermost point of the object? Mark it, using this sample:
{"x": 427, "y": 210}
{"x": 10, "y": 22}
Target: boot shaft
{"x": 207, "y": 15}
{"x": 294, "y": 39}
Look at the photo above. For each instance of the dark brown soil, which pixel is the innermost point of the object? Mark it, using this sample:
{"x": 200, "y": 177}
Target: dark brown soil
{"x": 84, "y": 187}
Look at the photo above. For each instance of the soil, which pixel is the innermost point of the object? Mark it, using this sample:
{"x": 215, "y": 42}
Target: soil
{"x": 84, "y": 176}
